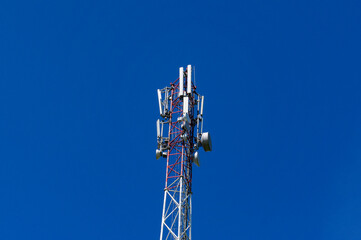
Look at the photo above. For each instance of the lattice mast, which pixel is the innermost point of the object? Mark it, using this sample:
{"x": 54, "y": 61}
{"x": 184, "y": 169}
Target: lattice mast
{"x": 179, "y": 136}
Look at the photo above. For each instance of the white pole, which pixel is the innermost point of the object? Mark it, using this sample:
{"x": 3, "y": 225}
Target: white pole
{"x": 161, "y": 228}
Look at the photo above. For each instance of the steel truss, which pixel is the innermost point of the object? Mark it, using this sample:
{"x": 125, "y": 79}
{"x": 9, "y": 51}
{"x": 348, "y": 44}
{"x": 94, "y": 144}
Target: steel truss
{"x": 181, "y": 144}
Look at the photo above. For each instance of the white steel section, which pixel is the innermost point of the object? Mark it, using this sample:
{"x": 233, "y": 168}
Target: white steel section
{"x": 189, "y": 79}
{"x": 160, "y": 101}
{"x": 162, "y": 224}
{"x": 181, "y": 81}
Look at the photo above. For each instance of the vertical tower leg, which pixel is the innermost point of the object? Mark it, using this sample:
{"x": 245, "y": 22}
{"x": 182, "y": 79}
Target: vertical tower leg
{"x": 161, "y": 227}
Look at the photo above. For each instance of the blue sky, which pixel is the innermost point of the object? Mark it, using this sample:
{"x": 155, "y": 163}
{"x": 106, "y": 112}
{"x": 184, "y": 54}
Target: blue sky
{"x": 78, "y": 107}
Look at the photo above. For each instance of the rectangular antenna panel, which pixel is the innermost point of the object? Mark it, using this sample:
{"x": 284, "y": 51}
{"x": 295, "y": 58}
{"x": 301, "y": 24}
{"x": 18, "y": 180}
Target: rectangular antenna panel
{"x": 185, "y": 105}
{"x": 181, "y": 81}
{"x": 189, "y": 79}
{"x": 160, "y": 102}
{"x": 158, "y": 128}
{"x": 202, "y": 101}
{"x": 166, "y": 99}
{"x": 161, "y": 130}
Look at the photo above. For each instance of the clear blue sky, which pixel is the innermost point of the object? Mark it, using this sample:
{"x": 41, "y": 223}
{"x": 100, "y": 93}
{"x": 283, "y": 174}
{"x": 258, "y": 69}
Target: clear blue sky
{"x": 78, "y": 105}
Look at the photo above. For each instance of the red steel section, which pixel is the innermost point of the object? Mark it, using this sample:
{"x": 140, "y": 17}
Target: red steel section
{"x": 179, "y": 160}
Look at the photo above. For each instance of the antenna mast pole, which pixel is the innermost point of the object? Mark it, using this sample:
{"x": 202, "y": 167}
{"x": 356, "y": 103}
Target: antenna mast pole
{"x": 182, "y": 117}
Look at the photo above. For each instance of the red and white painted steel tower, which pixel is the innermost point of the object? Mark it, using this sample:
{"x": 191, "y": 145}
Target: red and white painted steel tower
{"x": 179, "y": 136}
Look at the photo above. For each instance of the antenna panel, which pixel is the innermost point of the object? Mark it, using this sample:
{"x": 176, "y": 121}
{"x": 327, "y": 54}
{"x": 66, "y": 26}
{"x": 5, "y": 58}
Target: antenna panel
{"x": 160, "y": 102}
{"x": 181, "y": 81}
{"x": 185, "y": 105}
{"x": 161, "y": 130}
{"x": 166, "y": 98}
{"x": 202, "y": 101}
{"x": 158, "y": 128}
{"x": 189, "y": 79}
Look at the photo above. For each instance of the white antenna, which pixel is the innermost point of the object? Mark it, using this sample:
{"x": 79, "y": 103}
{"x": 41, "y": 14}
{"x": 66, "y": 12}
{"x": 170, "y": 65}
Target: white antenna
{"x": 161, "y": 131}
{"x": 160, "y": 101}
{"x": 181, "y": 81}
{"x": 202, "y": 101}
{"x": 158, "y": 128}
{"x": 189, "y": 79}
{"x": 185, "y": 105}
{"x": 166, "y": 100}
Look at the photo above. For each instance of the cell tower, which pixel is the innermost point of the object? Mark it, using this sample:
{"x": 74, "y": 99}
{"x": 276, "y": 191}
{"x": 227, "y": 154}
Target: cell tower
{"x": 179, "y": 136}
